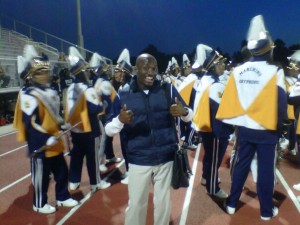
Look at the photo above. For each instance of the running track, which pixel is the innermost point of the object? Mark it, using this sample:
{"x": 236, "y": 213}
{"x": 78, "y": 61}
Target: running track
{"x": 191, "y": 206}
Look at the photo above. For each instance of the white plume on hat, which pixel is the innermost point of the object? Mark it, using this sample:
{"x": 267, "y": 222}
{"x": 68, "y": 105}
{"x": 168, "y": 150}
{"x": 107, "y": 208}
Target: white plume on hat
{"x": 168, "y": 67}
{"x": 96, "y": 60}
{"x": 185, "y": 58}
{"x": 29, "y": 53}
{"x": 296, "y": 56}
{"x": 201, "y": 53}
{"x": 74, "y": 55}
{"x": 174, "y": 62}
{"x": 124, "y": 56}
{"x": 21, "y": 62}
{"x": 256, "y": 32}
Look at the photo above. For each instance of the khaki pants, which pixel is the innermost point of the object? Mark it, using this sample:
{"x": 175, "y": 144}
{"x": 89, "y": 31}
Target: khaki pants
{"x": 140, "y": 178}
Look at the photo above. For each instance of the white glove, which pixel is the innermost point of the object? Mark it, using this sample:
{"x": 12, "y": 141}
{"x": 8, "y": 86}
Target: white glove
{"x": 105, "y": 87}
{"x": 51, "y": 141}
{"x": 65, "y": 126}
{"x": 283, "y": 143}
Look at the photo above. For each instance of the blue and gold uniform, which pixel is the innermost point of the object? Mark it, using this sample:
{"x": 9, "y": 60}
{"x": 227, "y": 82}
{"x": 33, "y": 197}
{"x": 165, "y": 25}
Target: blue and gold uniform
{"x": 255, "y": 101}
{"x": 38, "y": 122}
{"x": 214, "y": 133}
{"x": 83, "y": 108}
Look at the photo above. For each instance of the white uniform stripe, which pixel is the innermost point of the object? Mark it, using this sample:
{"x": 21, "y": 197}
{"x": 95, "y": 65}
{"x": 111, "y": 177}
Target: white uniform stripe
{"x": 97, "y": 153}
{"x": 214, "y": 166}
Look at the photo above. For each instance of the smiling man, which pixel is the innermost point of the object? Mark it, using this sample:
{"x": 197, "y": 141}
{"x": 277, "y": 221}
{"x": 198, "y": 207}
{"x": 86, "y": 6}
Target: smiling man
{"x": 145, "y": 114}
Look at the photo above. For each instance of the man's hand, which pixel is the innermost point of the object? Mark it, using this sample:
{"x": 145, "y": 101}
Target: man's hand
{"x": 177, "y": 109}
{"x": 126, "y": 116}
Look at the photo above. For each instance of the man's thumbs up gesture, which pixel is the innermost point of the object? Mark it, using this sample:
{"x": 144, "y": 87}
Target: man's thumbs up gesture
{"x": 177, "y": 109}
{"x": 126, "y": 116}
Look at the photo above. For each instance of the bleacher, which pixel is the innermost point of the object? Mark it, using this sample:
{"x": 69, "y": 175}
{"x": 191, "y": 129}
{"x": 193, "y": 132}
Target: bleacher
{"x": 14, "y": 35}
{"x": 11, "y": 45}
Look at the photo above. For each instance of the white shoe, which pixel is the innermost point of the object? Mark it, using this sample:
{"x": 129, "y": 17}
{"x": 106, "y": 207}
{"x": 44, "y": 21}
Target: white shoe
{"x": 293, "y": 152}
{"x": 192, "y": 147}
{"x": 203, "y": 180}
{"x": 221, "y": 194}
{"x": 102, "y": 185}
{"x": 275, "y": 213}
{"x": 113, "y": 160}
{"x": 297, "y": 187}
{"x": 46, "y": 209}
{"x": 67, "y": 203}
{"x": 73, "y": 186}
{"x": 182, "y": 138}
{"x": 103, "y": 168}
{"x": 125, "y": 180}
{"x": 230, "y": 210}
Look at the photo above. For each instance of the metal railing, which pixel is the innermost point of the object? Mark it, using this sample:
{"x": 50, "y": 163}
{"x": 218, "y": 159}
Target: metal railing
{"x": 41, "y": 36}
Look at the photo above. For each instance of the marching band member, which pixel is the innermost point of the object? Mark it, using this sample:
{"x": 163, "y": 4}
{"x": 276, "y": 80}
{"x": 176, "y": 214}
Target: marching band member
{"x": 39, "y": 123}
{"x": 83, "y": 107}
{"x": 124, "y": 68}
{"x": 214, "y": 133}
{"x": 187, "y": 91}
{"x": 166, "y": 75}
{"x": 291, "y": 74}
{"x": 175, "y": 76}
{"x": 255, "y": 101}
{"x": 105, "y": 90}
{"x": 294, "y": 99}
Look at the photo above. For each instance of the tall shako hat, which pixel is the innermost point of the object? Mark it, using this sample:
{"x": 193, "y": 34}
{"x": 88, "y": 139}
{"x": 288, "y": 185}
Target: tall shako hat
{"x": 31, "y": 63}
{"x": 123, "y": 62}
{"x": 174, "y": 64}
{"x": 295, "y": 60}
{"x": 185, "y": 61}
{"x": 202, "y": 51}
{"x": 212, "y": 59}
{"x": 168, "y": 67}
{"x": 259, "y": 39}
{"x": 98, "y": 63}
{"x": 206, "y": 57}
{"x": 77, "y": 62}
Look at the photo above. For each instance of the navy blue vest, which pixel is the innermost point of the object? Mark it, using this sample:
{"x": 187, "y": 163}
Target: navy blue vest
{"x": 151, "y": 138}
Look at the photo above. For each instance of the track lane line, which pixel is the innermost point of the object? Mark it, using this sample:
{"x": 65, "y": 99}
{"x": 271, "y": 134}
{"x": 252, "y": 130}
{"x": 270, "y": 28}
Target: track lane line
{"x": 14, "y": 183}
{"x": 188, "y": 195}
{"x": 4, "y": 135}
{"x": 11, "y": 151}
{"x": 288, "y": 189}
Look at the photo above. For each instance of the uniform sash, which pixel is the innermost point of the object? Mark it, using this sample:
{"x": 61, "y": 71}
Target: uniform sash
{"x": 201, "y": 119}
{"x": 186, "y": 87}
{"x": 18, "y": 121}
{"x": 76, "y": 107}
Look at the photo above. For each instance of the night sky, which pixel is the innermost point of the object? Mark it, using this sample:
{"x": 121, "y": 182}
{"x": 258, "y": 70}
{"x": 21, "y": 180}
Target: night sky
{"x": 173, "y": 26}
